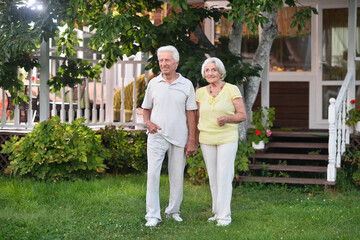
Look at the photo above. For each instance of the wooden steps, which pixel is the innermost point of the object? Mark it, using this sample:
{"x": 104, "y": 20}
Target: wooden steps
{"x": 297, "y": 145}
{"x": 289, "y": 168}
{"x": 309, "y": 181}
{"x": 291, "y": 157}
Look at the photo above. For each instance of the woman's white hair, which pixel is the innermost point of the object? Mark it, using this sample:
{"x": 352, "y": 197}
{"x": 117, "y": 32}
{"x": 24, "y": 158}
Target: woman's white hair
{"x": 219, "y": 66}
{"x": 169, "y": 48}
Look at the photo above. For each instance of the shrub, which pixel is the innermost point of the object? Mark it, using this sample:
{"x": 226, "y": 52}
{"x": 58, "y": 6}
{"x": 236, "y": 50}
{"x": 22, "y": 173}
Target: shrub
{"x": 352, "y": 164}
{"x": 56, "y": 151}
{"x": 126, "y": 148}
{"x": 196, "y": 168}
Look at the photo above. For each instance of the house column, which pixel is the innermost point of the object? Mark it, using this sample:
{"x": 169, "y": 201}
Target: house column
{"x": 265, "y": 86}
{"x": 351, "y": 58}
{"x": 44, "y": 78}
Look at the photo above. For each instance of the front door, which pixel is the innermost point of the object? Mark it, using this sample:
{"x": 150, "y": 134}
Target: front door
{"x": 331, "y": 59}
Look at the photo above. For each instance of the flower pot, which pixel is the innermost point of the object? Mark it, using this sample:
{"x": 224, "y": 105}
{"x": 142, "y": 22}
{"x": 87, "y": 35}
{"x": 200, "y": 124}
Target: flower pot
{"x": 357, "y": 127}
{"x": 258, "y": 146}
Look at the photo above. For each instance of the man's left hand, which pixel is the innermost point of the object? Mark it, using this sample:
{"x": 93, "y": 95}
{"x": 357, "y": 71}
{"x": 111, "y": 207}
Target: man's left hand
{"x": 191, "y": 148}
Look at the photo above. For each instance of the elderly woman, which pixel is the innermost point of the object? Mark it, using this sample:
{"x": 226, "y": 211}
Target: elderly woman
{"x": 220, "y": 109}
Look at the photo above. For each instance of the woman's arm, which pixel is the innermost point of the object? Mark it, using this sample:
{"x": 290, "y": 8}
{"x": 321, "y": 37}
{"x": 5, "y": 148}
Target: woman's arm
{"x": 239, "y": 116}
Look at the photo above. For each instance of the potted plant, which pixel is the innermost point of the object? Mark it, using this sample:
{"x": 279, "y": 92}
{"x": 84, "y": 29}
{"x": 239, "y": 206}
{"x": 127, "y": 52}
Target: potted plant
{"x": 262, "y": 120}
{"x": 353, "y": 116}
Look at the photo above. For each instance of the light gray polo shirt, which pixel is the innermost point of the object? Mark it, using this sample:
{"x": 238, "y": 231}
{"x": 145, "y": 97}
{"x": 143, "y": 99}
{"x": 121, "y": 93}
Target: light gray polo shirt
{"x": 168, "y": 104}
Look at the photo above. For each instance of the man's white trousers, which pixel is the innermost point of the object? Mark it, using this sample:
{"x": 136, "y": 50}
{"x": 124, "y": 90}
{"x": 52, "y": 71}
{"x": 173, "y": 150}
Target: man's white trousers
{"x": 157, "y": 146}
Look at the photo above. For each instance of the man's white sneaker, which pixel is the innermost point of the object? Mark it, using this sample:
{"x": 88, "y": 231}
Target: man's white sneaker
{"x": 211, "y": 219}
{"x": 175, "y": 216}
{"x": 223, "y": 223}
{"x": 151, "y": 222}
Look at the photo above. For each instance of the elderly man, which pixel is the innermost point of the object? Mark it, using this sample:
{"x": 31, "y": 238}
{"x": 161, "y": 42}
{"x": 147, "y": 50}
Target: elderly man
{"x": 169, "y": 115}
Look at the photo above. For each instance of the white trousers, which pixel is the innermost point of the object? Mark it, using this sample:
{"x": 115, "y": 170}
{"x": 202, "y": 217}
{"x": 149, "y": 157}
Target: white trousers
{"x": 219, "y": 160}
{"x": 157, "y": 147}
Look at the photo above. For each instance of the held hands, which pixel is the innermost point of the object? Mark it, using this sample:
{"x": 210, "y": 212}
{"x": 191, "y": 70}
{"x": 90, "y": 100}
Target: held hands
{"x": 222, "y": 120}
{"x": 152, "y": 127}
{"x": 191, "y": 148}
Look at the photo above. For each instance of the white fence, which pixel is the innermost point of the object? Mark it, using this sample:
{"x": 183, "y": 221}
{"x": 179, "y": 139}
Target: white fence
{"x": 92, "y": 99}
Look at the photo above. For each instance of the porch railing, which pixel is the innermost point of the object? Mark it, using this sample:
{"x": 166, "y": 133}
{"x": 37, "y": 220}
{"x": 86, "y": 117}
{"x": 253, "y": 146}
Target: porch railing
{"x": 339, "y": 134}
{"x": 92, "y": 99}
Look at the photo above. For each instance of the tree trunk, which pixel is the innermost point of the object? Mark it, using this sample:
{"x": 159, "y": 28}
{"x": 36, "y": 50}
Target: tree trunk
{"x": 251, "y": 89}
{"x": 235, "y": 39}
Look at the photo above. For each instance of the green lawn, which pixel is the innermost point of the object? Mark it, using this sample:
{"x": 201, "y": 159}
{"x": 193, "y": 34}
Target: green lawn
{"x": 114, "y": 208}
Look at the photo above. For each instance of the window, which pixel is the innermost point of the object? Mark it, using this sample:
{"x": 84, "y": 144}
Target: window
{"x": 291, "y": 50}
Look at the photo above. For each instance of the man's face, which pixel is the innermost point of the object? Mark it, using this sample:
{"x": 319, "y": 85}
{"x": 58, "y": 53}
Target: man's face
{"x": 167, "y": 63}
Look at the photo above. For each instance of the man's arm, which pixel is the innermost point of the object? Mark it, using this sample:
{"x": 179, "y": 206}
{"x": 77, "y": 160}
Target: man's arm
{"x": 152, "y": 127}
{"x": 192, "y": 144}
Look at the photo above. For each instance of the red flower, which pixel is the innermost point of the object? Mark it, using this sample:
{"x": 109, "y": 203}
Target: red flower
{"x": 358, "y": 108}
{"x": 32, "y": 78}
{"x": 353, "y": 101}
{"x": 258, "y": 132}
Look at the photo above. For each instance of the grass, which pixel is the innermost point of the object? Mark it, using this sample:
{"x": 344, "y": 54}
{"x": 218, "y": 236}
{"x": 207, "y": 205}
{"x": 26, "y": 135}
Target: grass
{"x": 114, "y": 208}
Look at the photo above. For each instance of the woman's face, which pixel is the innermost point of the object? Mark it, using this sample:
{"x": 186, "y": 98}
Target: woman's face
{"x": 211, "y": 73}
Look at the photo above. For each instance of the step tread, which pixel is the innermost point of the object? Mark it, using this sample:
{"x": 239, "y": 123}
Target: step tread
{"x": 319, "y": 134}
{"x": 315, "y": 145}
{"x": 290, "y": 156}
{"x": 293, "y": 168}
{"x": 286, "y": 180}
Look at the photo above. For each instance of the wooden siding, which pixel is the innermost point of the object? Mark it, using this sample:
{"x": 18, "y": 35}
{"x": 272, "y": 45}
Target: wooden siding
{"x": 291, "y": 102}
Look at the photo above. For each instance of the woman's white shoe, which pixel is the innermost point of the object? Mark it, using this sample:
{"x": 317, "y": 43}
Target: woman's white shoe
{"x": 223, "y": 223}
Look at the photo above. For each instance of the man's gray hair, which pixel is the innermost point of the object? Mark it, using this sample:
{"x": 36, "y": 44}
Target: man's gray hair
{"x": 219, "y": 66}
{"x": 169, "y": 48}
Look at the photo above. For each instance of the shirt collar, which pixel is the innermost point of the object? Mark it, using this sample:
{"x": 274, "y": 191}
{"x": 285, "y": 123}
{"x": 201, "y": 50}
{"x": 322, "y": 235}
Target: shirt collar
{"x": 179, "y": 80}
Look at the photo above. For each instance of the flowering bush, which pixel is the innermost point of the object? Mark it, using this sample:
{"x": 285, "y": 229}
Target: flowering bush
{"x": 260, "y": 131}
{"x": 353, "y": 115}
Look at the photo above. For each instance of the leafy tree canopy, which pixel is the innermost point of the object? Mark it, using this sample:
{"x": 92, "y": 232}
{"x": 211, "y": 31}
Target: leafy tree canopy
{"x": 121, "y": 27}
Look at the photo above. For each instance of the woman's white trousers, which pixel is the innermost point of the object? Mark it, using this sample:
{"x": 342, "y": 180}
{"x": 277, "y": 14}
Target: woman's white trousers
{"x": 219, "y": 160}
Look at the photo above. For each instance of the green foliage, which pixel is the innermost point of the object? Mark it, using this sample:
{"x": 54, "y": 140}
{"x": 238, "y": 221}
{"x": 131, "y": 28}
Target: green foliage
{"x": 352, "y": 164}
{"x": 56, "y": 151}
{"x": 196, "y": 168}
{"x": 127, "y": 150}
{"x": 124, "y": 28}
{"x": 71, "y": 73}
{"x": 242, "y": 157}
{"x": 262, "y": 120}
{"x": 251, "y": 12}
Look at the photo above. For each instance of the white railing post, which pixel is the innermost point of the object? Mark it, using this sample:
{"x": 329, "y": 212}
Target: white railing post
{"x": 122, "y": 108}
{"x": 44, "y": 78}
{"x": 101, "y": 111}
{"x": 62, "y": 109}
{"x": 3, "y": 110}
{"x": 134, "y": 92}
{"x": 109, "y": 76}
{"x": 331, "y": 169}
{"x": 87, "y": 104}
{"x": 94, "y": 110}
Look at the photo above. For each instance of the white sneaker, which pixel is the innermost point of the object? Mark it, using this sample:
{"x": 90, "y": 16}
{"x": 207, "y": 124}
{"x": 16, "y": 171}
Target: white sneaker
{"x": 212, "y": 219}
{"x": 223, "y": 223}
{"x": 175, "y": 216}
{"x": 151, "y": 222}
